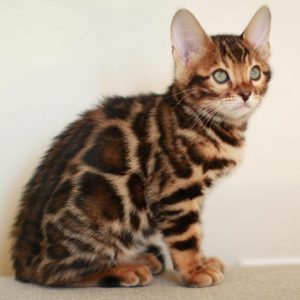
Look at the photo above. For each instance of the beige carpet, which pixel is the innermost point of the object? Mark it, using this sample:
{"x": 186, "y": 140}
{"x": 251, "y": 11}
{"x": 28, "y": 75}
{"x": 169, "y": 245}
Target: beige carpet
{"x": 259, "y": 283}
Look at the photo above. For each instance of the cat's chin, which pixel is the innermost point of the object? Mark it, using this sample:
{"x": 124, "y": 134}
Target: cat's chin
{"x": 239, "y": 113}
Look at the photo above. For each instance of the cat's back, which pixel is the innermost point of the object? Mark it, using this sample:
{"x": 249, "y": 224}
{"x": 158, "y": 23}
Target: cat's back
{"x": 90, "y": 140}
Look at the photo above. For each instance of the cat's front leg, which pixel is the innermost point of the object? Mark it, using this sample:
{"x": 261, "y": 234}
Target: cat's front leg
{"x": 182, "y": 230}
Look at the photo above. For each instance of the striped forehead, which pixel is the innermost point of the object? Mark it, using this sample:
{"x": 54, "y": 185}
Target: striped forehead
{"x": 231, "y": 49}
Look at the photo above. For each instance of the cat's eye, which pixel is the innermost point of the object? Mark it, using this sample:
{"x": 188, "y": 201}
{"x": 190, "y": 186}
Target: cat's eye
{"x": 220, "y": 76}
{"x": 255, "y": 73}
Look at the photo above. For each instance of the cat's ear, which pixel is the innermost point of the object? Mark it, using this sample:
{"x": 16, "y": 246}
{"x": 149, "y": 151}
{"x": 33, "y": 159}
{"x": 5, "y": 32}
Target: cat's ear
{"x": 258, "y": 30}
{"x": 189, "y": 40}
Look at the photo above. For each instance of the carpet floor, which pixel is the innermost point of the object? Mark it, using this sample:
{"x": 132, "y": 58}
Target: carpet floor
{"x": 255, "y": 283}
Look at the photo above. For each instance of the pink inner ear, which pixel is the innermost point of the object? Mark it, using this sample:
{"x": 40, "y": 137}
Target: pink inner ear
{"x": 186, "y": 44}
{"x": 258, "y": 36}
{"x": 188, "y": 38}
{"x": 258, "y": 30}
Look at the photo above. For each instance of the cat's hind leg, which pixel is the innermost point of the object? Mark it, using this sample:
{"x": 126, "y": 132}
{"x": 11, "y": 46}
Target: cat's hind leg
{"x": 120, "y": 276}
{"x": 123, "y": 275}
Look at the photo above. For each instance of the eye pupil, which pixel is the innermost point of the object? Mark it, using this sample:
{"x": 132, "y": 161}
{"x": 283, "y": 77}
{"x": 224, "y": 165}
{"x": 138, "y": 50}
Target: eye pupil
{"x": 220, "y": 76}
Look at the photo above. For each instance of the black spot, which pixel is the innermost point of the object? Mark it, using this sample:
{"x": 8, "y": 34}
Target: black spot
{"x": 195, "y": 156}
{"x": 53, "y": 234}
{"x": 150, "y": 229}
{"x": 139, "y": 126}
{"x": 188, "y": 244}
{"x": 126, "y": 238}
{"x": 25, "y": 246}
{"x": 184, "y": 120}
{"x": 182, "y": 195}
{"x": 143, "y": 154}
{"x": 137, "y": 191}
{"x": 140, "y": 122}
{"x": 134, "y": 221}
{"x": 151, "y": 226}
{"x": 117, "y": 107}
{"x": 148, "y": 100}
{"x": 172, "y": 212}
{"x": 217, "y": 164}
{"x": 181, "y": 224}
{"x": 94, "y": 227}
{"x": 71, "y": 222}
{"x": 193, "y": 151}
{"x": 57, "y": 252}
{"x": 109, "y": 154}
{"x": 164, "y": 178}
{"x": 98, "y": 198}
{"x": 179, "y": 163}
{"x": 60, "y": 197}
{"x": 73, "y": 169}
{"x": 208, "y": 181}
{"x": 168, "y": 141}
{"x": 36, "y": 248}
{"x": 150, "y": 219}
{"x": 110, "y": 282}
{"x": 158, "y": 253}
{"x": 31, "y": 231}
{"x": 81, "y": 245}
{"x": 198, "y": 80}
{"x": 158, "y": 162}
{"x": 226, "y": 137}
{"x": 77, "y": 264}
{"x": 80, "y": 264}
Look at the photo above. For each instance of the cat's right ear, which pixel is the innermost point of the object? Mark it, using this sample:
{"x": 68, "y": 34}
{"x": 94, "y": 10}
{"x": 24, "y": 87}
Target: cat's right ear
{"x": 189, "y": 40}
{"x": 258, "y": 30}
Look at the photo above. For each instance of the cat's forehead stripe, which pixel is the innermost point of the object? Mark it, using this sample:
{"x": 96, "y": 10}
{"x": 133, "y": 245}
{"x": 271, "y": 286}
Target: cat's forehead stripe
{"x": 231, "y": 47}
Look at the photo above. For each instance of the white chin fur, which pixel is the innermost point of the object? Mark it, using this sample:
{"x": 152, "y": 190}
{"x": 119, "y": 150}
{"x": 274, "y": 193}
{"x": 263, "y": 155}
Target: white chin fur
{"x": 237, "y": 108}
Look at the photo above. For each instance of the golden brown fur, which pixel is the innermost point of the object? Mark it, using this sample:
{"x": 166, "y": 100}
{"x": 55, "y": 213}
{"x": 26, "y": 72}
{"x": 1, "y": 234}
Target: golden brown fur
{"x": 136, "y": 169}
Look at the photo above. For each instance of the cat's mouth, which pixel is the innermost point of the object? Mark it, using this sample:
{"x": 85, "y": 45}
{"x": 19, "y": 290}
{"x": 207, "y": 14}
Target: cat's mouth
{"x": 242, "y": 106}
{"x": 238, "y": 110}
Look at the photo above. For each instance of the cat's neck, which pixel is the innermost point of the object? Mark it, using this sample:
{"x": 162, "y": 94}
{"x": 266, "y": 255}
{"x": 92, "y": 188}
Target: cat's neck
{"x": 197, "y": 116}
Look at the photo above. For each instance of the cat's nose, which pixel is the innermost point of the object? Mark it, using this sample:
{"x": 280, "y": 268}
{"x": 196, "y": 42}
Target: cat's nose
{"x": 245, "y": 94}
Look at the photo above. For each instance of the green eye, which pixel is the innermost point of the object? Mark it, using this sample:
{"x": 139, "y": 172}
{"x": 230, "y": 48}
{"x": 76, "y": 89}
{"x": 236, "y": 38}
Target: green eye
{"x": 220, "y": 76}
{"x": 255, "y": 73}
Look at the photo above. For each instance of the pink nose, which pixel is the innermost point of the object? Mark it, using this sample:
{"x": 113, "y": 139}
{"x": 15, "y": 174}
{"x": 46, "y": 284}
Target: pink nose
{"x": 244, "y": 94}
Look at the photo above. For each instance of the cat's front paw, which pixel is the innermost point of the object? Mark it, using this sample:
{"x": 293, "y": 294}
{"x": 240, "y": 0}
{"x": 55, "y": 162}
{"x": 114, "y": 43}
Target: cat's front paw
{"x": 209, "y": 272}
{"x": 214, "y": 262}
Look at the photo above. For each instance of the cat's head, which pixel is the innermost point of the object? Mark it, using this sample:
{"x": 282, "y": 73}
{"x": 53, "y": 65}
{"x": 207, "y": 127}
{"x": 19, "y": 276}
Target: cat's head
{"x": 222, "y": 74}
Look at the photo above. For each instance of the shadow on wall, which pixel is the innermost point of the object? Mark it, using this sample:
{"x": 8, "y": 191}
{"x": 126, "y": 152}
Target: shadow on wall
{"x": 14, "y": 193}
{"x": 8, "y": 219}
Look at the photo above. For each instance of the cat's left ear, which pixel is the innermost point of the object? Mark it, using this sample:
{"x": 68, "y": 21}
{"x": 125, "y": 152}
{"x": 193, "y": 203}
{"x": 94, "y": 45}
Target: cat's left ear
{"x": 258, "y": 30}
{"x": 189, "y": 41}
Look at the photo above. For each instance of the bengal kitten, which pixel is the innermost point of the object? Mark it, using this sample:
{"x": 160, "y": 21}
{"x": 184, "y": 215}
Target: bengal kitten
{"x": 136, "y": 169}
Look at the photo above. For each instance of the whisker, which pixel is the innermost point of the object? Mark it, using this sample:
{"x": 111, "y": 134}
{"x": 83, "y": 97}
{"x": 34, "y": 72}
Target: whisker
{"x": 181, "y": 92}
{"x": 209, "y": 112}
{"x": 183, "y": 98}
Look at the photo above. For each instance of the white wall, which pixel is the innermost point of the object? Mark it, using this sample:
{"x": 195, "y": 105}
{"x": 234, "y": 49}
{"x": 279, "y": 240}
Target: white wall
{"x": 58, "y": 57}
